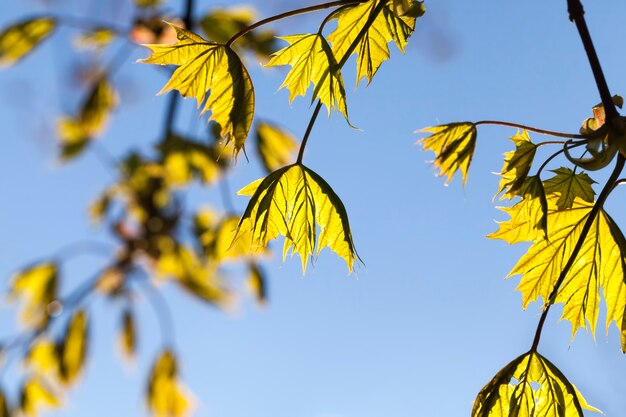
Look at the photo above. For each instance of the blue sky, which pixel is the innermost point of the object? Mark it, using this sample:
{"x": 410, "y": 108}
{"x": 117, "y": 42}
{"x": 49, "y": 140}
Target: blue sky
{"x": 429, "y": 319}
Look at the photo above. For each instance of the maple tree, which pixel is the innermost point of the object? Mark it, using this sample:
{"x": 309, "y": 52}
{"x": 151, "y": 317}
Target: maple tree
{"x": 578, "y": 251}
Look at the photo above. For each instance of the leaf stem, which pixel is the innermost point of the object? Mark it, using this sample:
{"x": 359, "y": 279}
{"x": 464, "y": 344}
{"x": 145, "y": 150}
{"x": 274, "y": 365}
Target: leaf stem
{"x": 532, "y": 129}
{"x": 577, "y": 15}
{"x": 374, "y": 13}
{"x": 554, "y": 155}
{"x": 291, "y": 13}
{"x": 606, "y": 190}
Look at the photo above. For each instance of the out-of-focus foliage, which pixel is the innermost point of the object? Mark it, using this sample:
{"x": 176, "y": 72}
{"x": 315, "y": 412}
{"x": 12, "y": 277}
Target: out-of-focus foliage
{"x": 37, "y": 287}
{"x": 19, "y": 39}
{"x": 220, "y": 24}
{"x": 165, "y": 395}
{"x": 294, "y": 201}
{"x": 75, "y": 133}
{"x": 276, "y": 146}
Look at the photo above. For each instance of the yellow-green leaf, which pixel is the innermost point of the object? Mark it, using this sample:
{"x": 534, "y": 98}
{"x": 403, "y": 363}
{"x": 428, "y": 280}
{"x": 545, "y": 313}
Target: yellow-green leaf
{"x": 166, "y": 397}
{"x": 257, "y": 283}
{"x": 372, "y": 49}
{"x": 214, "y": 75}
{"x": 37, "y": 394}
{"x": 75, "y": 132}
{"x": 408, "y": 8}
{"x": 517, "y": 163}
{"x": 599, "y": 264}
{"x": 5, "y": 410}
{"x": 569, "y": 185}
{"x": 312, "y": 61}
{"x": 37, "y": 285}
{"x": 530, "y": 386}
{"x": 276, "y": 146}
{"x": 294, "y": 201}
{"x": 43, "y": 358}
{"x": 73, "y": 348}
{"x": 528, "y": 217}
{"x": 453, "y": 145}
{"x": 20, "y": 39}
{"x": 148, "y": 3}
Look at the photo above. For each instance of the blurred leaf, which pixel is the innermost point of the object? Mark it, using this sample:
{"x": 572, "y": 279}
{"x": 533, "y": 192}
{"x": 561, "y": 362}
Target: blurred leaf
{"x": 569, "y": 185}
{"x": 530, "y": 386}
{"x": 206, "y": 66}
{"x": 220, "y": 24}
{"x": 218, "y": 239}
{"x": 453, "y": 145}
{"x": 148, "y": 3}
{"x": 408, "y": 8}
{"x": 312, "y": 61}
{"x": 294, "y": 201}
{"x": 184, "y": 160}
{"x": 599, "y": 264}
{"x": 37, "y": 286}
{"x": 517, "y": 165}
{"x": 95, "y": 39}
{"x": 276, "y": 146}
{"x": 165, "y": 395}
{"x": 195, "y": 276}
{"x": 257, "y": 283}
{"x": 76, "y": 132}
{"x": 5, "y": 410}
{"x": 43, "y": 358}
{"x": 36, "y": 394}
{"x": 100, "y": 207}
{"x": 21, "y": 38}
{"x": 372, "y": 49}
{"x": 128, "y": 335}
{"x": 73, "y": 348}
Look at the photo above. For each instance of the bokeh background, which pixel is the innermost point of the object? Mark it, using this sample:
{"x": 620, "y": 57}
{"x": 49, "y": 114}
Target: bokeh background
{"x": 429, "y": 318}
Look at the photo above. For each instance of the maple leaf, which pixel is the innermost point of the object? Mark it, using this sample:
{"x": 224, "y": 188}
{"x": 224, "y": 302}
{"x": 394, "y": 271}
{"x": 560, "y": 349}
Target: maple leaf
{"x": 599, "y": 263}
{"x": 216, "y": 238}
{"x": 276, "y": 146}
{"x": 453, "y": 145}
{"x": 312, "y": 61}
{"x": 19, "y": 39}
{"x": 211, "y": 71}
{"x": 75, "y": 133}
{"x": 372, "y": 49}
{"x": 517, "y": 163}
{"x": 530, "y": 386}
{"x": 569, "y": 185}
{"x": 294, "y": 201}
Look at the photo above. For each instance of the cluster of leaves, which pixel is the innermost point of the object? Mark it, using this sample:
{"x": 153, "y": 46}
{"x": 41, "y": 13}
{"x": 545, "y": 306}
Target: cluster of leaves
{"x": 158, "y": 238}
{"x": 577, "y": 256}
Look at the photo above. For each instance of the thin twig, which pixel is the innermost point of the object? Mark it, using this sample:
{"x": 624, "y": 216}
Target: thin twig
{"x": 532, "y": 129}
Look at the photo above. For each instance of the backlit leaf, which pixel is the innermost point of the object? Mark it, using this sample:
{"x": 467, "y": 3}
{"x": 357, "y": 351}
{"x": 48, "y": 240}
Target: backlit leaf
{"x": 165, "y": 395}
{"x": 35, "y": 395}
{"x": 312, "y": 61}
{"x": 20, "y": 39}
{"x": 75, "y": 133}
{"x": 276, "y": 146}
{"x": 569, "y": 186}
{"x": 43, "y": 358}
{"x": 214, "y": 75}
{"x": 528, "y": 217}
{"x": 96, "y": 39}
{"x": 257, "y": 283}
{"x": 148, "y": 3}
{"x": 517, "y": 163}
{"x": 530, "y": 386}
{"x": 294, "y": 201}
{"x": 37, "y": 286}
{"x": 599, "y": 263}
{"x": 372, "y": 49}
{"x": 453, "y": 145}
{"x": 73, "y": 348}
